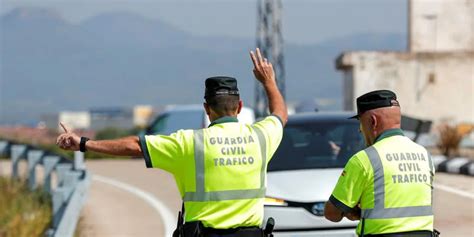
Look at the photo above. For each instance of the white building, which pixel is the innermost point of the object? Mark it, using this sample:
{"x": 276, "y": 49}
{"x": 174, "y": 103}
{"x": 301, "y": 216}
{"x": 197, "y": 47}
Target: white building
{"x": 100, "y": 118}
{"x": 434, "y": 79}
{"x": 74, "y": 119}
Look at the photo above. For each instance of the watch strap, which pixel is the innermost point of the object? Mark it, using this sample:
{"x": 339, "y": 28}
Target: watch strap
{"x": 82, "y": 144}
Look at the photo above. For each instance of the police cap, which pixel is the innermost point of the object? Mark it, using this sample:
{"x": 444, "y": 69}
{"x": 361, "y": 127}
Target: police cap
{"x": 374, "y": 100}
{"x": 221, "y": 85}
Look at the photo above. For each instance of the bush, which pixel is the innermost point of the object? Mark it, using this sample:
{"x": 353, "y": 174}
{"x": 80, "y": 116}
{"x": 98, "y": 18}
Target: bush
{"x": 449, "y": 140}
{"x": 23, "y": 213}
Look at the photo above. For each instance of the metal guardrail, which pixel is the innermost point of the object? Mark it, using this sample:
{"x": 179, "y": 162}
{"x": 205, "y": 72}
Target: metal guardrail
{"x": 72, "y": 180}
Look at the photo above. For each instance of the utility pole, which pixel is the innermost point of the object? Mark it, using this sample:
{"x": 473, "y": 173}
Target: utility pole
{"x": 270, "y": 42}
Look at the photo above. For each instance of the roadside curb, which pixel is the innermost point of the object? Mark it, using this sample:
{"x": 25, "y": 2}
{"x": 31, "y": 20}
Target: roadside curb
{"x": 457, "y": 165}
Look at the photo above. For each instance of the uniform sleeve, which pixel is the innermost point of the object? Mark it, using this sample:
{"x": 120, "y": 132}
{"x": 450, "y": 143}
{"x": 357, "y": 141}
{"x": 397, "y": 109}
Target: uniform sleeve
{"x": 349, "y": 187}
{"x": 164, "y": 152}
{"x": 272, "y": 129}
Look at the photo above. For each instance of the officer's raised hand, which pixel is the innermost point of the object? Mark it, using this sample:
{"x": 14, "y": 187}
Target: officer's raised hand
{"x": 263, "y": 69}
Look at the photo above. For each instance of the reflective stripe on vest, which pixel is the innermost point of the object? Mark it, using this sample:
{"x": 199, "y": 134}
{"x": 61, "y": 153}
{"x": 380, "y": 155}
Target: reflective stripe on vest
{"x": 379, "y": 211}
{"x": 200, "y": 195}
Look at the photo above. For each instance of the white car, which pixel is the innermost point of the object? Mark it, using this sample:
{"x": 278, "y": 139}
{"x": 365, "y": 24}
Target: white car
{"x": 304, "y": 170}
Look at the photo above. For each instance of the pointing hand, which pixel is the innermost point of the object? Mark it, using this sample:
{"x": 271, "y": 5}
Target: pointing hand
{"x": 68, "y": 140}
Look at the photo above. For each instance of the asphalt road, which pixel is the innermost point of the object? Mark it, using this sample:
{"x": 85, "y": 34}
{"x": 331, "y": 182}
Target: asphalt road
{"x": 128, "y": 200}
{"x": 454, "y": 205}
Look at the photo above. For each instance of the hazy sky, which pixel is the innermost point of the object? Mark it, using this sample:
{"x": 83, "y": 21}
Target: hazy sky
{"x": 304, "y": 21}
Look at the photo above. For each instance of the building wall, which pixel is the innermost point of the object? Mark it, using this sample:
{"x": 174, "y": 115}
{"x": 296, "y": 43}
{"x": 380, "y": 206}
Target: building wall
{"x": 434, "y": 86}
{"x": 441, "y": 25}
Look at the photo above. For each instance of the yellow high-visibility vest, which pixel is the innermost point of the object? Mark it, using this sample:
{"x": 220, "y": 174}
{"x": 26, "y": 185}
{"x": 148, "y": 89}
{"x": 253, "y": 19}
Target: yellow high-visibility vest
{"x": 220, "y": 171}
{"x": 393, "y": 183}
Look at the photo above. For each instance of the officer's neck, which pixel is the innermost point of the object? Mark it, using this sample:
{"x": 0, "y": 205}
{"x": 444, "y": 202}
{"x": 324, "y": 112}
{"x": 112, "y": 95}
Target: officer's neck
{"x": 216, "y": 117}
{"x": 379, "y": 133}
{"x": 213, "y": 116}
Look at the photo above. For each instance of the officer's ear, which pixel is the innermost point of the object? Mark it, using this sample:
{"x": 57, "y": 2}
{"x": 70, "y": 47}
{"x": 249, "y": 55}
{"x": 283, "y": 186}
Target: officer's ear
{"x": 373, "y": 122}
{"x": 206, "y": 108}
{"x": 241, "y": 104}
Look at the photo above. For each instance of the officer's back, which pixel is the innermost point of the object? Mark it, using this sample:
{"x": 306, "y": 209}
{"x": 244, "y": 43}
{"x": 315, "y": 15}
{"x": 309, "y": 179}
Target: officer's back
{"x": 388, "y": 185}
{"x": 220, "y": 170}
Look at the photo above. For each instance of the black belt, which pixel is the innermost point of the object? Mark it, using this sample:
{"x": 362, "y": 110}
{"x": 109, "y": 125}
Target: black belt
{"x": 237, "y": 232}
{"x": 421, "y": 233}
{"x": 193, "y": 229}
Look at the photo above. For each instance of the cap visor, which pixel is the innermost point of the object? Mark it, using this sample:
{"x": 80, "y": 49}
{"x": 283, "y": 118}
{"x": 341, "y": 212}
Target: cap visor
{"x": 354, "y": 117}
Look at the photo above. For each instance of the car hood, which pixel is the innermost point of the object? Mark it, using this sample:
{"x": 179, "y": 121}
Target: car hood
{"x": 311, "y": 185}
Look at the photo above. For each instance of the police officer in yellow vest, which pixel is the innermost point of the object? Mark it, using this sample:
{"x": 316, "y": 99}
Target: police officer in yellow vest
{"x": 220, "y": 171}
{"x": 389, "y": 184}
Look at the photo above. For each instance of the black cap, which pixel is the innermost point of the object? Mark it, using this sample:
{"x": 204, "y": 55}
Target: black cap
{"x": 221, "y": 86}
{"x": 374, "y": 100}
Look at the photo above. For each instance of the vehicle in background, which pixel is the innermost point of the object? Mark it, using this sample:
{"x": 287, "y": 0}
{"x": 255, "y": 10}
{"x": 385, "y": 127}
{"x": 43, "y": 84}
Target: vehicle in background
{"x": 178, "y": 117}
{"x": 304, "y": 170}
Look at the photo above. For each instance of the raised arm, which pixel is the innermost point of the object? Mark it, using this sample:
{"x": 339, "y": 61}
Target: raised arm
{"x": 263, "y": 71}
{"x": 126, "y": 146}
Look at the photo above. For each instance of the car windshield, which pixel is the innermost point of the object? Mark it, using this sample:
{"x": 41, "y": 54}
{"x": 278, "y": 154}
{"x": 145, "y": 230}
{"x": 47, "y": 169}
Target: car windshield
{"x": 317, "y": 144}
{"x": 171, "y": 122}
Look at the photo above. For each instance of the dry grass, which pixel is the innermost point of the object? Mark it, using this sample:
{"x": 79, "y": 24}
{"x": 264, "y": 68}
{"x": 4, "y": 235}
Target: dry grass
{"x": 23, "y": 213}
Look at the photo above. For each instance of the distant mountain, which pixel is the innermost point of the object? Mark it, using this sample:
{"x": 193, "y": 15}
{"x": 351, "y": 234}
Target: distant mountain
{"x": 122, "y": 59}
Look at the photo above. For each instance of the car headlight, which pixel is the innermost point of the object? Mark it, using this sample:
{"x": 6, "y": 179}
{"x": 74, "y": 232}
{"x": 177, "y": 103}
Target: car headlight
{"x": 318, "y": 209}
{"x": 269, "y": 201}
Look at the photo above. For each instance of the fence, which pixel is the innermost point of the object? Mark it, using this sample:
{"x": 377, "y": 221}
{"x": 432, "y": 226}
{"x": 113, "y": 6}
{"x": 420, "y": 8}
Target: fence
{"x": 72, "y": 181}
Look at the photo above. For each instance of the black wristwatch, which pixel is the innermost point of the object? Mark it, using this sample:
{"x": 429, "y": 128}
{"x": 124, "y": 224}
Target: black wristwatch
{"x": 82, "y": 144}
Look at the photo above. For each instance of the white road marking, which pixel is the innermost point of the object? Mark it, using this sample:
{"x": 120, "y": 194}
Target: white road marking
{"x": 454, "y": 191}
{"x": 169, "y": 220}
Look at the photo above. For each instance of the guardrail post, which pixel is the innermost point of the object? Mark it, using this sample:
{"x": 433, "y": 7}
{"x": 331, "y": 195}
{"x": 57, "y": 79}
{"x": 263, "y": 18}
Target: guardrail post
{"x": 61, "y": 170}
{"x": 73, "y": 210}
{"x": 71, "y": 178}
{"x": 49, "y": 163}
{"x": 3, "y": 152}
{"x": 17, "y": 151}
{"x": 34, "y": 157}
{"x": 59, "y": 199}
{"x": 62, "y": 194}
{"x": 79, "y": 161}
{"x": 3, "y": 147}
